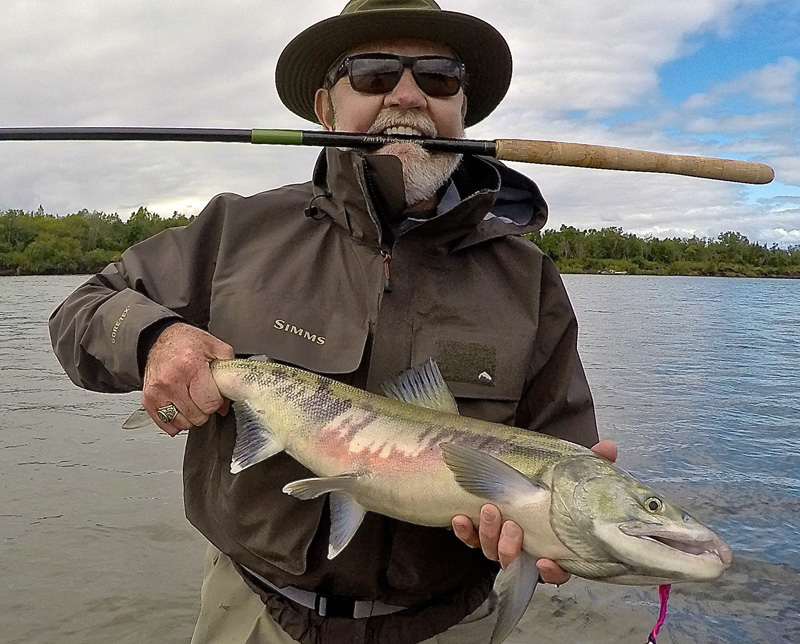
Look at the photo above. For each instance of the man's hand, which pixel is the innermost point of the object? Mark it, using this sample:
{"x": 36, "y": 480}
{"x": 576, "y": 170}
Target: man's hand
{"x": 502, "y": 540}
{"x": 177, "y": 372}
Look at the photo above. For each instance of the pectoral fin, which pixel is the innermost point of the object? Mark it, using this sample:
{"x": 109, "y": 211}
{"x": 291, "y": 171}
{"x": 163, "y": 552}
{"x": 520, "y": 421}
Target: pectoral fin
{"x": 423, "y": 386}
{"x": 515, "y": 586}
{"x": 484, "y": 475}
{"x": 254, "y": 438}
{"x": 139, "y": 418}
{"x": 346, "y": 513}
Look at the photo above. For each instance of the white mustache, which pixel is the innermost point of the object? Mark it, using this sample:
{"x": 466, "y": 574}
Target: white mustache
{"x": 394, "y": 117}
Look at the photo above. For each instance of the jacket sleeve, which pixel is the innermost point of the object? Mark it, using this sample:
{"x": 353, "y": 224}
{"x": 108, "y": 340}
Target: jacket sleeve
{"x": 96, "y": 331}
{"x": 557, "y": 399}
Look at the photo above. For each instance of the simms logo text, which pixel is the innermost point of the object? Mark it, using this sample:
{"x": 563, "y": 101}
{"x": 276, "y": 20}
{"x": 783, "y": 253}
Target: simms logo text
{"x": 282, "y": 325}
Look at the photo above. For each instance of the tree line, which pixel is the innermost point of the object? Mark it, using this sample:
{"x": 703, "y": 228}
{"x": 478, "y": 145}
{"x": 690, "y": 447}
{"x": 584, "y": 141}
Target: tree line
{"x": 610, "y": 250}
{"x": 36, "y": 242}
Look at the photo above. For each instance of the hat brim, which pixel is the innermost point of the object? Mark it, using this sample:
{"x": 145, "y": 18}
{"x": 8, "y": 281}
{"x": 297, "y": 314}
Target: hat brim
{"x": 306, "y": 59}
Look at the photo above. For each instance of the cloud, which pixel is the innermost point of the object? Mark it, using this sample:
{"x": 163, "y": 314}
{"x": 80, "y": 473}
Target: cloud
{"x": 580, "y": 68}
{"x": 773, "y": 84}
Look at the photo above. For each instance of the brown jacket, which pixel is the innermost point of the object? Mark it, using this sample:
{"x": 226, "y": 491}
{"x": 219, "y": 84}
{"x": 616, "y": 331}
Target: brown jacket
{"x": 300, "y": 274}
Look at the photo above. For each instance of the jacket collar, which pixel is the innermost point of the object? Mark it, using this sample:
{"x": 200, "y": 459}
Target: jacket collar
{"x": 484, "y": 199}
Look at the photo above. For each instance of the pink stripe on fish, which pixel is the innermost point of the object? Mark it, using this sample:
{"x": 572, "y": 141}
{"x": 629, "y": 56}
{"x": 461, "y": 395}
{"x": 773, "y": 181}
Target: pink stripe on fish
{"x": 356, "y": 443}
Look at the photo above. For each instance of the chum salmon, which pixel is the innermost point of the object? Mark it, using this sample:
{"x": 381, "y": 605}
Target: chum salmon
{"x": 410, "y": 456}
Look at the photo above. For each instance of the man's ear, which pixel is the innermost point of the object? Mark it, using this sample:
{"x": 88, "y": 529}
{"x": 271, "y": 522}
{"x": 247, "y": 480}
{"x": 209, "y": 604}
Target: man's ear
{"x": 323, "y": 108}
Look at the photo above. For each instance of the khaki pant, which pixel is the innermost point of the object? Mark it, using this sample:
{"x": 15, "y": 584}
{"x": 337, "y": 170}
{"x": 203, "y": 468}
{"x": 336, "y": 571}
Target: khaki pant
{"x": 231, "y": 613}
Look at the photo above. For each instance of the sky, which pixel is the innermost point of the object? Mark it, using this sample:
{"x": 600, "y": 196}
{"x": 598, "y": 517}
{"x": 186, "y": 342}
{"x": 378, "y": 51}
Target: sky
{"x": 699, "y": 77}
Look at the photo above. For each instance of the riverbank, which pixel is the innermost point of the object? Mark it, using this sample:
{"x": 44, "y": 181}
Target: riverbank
{"x": 594, "y": 266}
{"x": 38, "y": 243}
{"x": 591, "y": 267}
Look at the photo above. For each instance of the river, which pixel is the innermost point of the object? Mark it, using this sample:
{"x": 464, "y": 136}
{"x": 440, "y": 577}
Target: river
{"x": 696, "y": 379}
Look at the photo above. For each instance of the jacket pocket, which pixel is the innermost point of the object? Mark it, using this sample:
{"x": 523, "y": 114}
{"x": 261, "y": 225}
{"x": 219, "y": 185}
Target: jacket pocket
{"x": 486, "y": 372}
{"x": 318, "y": 336}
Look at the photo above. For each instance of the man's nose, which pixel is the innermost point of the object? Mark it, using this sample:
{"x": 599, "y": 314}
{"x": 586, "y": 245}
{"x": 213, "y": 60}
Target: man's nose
{"x": 406, "y": 93}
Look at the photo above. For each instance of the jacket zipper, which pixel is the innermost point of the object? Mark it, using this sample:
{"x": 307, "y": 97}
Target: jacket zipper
{"x": 387, "y": 278}
{"x": 386, "y": 252}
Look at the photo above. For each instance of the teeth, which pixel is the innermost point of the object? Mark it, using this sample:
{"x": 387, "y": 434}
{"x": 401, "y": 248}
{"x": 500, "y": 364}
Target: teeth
{"x": 402, "y": 129}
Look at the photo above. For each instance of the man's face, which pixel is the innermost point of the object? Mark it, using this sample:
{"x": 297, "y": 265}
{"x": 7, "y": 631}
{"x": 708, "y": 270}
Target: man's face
{"x": 346, "y": 110}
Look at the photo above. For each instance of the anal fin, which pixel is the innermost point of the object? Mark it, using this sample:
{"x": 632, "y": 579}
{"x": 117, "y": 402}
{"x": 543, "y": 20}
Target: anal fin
{"x": 254, "y": 439}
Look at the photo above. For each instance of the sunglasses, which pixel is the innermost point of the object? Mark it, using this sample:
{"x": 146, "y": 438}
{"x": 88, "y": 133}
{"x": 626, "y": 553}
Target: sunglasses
{"x": 437, "y": 76}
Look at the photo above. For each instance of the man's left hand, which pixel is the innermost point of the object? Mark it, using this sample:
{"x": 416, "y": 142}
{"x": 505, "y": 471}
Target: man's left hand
{"x": 502, "y": 540}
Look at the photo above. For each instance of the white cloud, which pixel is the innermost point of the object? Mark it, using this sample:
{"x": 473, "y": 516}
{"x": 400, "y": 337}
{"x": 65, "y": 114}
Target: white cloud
{"x": 209, "y": 64}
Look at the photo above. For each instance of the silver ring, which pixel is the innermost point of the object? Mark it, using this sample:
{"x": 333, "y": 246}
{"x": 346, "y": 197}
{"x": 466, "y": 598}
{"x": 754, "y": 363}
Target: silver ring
{"x": 167, "y": 413}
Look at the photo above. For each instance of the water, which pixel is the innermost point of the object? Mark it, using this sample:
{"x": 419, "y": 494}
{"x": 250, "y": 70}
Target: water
{"x": 93, "y": 543}
{"x": 694, "y": 378}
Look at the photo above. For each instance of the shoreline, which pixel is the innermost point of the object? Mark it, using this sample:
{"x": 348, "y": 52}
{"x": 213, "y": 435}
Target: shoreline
{"x": 722, "y": 272}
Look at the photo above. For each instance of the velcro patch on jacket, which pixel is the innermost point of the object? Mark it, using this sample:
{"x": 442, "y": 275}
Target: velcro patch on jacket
{"x": 470, "y": 362}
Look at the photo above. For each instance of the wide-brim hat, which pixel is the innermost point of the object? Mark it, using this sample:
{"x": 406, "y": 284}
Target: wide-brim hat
{"x": 483, "y": 50}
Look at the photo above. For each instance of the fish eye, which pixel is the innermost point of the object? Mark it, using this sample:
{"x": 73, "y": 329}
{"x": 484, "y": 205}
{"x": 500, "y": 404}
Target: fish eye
{"x": 654, "y": 504}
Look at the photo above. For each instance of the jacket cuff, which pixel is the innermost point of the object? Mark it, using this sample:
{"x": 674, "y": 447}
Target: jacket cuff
{"x": 113, "y": 337}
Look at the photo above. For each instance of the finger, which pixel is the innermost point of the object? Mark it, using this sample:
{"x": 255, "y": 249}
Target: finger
{"x": 465, "y": 531}
{"x": 154, "y": 397}
{"x": 190, "y": 411}
{"x": 204, "y": 393}
{"x": 606, "y": 449}
{"x": 222, "y": 350}
{"x": 177, "y": 426}
{"x": 551, "y": 572}
{"x": 510, "y": 544}
{"x": 489, "y": 530}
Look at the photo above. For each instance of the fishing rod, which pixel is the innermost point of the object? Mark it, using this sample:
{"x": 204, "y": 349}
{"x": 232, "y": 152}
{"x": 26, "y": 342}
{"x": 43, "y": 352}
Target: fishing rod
{"x": 580, "y": 155}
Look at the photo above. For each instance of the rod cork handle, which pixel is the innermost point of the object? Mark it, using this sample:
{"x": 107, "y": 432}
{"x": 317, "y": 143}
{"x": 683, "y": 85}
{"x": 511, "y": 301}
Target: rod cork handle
{"x": 610, "y": 158}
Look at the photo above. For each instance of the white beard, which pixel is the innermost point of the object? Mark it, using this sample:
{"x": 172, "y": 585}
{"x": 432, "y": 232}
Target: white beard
{"x": 424, "y": 172}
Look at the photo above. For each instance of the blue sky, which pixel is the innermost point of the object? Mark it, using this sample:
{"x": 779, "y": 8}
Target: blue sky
{"x": 703, "y": 77}
{"x": 756, "y": 37}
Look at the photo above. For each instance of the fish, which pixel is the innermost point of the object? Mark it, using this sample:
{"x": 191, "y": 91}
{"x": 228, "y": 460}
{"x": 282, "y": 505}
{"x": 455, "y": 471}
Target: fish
{"x": 409, "y": 455}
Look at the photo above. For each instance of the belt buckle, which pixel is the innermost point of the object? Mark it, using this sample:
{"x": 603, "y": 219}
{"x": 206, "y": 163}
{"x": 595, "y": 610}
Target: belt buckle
{"x": 335, "y": 606}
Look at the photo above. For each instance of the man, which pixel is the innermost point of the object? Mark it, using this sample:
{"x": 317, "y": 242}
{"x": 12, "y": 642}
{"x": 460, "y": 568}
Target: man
{"x": 378, "y": 263}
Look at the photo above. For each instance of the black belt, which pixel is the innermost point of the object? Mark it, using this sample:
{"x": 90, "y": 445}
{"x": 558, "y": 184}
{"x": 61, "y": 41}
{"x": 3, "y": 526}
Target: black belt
{"x": 326, "y": 605}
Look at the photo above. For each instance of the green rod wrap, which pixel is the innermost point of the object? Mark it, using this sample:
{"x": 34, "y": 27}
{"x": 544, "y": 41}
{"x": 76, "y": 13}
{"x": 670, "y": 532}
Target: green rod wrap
{"x": 277, "y": 137}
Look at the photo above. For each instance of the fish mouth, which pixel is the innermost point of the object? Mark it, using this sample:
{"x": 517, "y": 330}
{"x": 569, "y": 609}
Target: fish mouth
{"x": 706, "y": 545}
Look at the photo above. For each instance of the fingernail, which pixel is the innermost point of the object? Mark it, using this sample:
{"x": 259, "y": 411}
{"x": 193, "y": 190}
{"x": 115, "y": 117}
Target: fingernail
{"x": 512, "y": 530}
{"x": 488, "y": 515}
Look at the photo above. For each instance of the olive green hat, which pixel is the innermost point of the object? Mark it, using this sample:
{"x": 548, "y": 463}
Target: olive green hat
{"x": 308, "y": 57}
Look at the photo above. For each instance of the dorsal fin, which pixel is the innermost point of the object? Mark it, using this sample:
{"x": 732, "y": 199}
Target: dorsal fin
{"x": 423, "y": 386}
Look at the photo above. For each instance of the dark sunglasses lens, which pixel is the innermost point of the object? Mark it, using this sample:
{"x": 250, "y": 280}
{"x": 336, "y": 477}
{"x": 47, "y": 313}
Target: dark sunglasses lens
{"x": 374, "y": 75}
{"x": 438, "y": 76}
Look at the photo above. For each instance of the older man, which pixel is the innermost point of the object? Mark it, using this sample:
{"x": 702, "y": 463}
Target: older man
{"x": 380, "y": 262}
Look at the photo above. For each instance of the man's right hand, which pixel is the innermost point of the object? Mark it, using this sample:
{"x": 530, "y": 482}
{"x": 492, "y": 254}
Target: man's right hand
{"x": 177, "y": 371}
